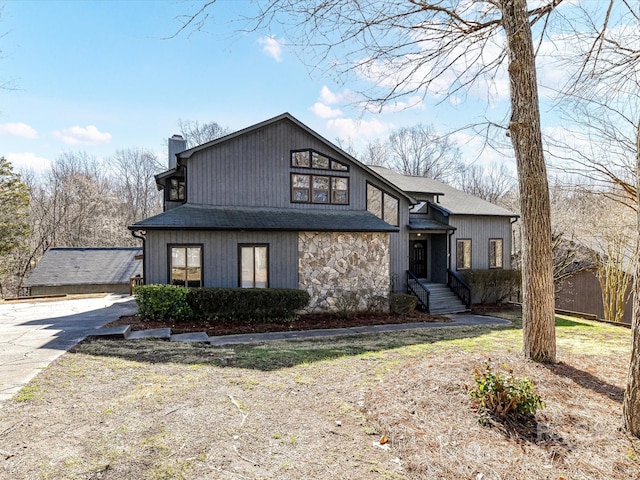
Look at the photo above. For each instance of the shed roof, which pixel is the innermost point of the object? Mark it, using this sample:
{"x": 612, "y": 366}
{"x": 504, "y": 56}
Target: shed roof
{"x": 205, "y": 217}
{"x": 451, "y": 200}
{"x": 86, "y": 266}
{"x": 427, "y": 224}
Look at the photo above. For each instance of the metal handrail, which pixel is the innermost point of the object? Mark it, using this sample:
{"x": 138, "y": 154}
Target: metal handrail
{"x": 418, "y": 289}
{"x": 458, "y": 286}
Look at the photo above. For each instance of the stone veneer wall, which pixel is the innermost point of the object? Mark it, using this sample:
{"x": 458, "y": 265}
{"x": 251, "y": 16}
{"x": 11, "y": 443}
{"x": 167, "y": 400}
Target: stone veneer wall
{"x": 344, "y": 271}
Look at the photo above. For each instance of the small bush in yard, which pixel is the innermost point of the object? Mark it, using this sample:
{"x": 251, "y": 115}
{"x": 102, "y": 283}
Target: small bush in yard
{"x": 162, "y": 302}
{"x": 402, "y": 303}
{"x": 503, "y": 396}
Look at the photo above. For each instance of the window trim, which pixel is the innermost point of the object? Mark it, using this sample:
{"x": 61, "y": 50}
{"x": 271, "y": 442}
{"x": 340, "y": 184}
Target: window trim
{"x": 311, "y": 189}
{"x": 501, "y": 261}
{"x": 311, "y": 151}
{"x": 253, "y": 245}
{"x": 458, "y": 240}
{"x": 171, "y": 246}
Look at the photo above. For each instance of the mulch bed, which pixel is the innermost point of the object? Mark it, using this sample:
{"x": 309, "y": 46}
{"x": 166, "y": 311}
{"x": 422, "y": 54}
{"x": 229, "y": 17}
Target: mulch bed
{"x": 310, "y": 321}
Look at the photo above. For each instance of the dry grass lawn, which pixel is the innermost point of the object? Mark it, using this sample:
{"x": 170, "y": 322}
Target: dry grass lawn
{"x": 317, "y": 409}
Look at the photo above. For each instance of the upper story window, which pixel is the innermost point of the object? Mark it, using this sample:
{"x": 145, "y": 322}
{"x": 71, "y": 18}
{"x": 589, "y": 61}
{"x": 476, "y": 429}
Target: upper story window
{"x": 382, "y": 205}
{"x": 311, "y": 159}
{"x": 176, "y": 190}
{"x": 319, "y": 189}
{"x": 495, "y": 253}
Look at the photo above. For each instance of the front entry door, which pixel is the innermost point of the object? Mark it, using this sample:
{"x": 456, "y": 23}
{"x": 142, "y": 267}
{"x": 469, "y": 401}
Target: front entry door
{"x": 418, "y": 258}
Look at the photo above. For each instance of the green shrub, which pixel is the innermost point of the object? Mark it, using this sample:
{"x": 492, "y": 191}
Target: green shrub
{"x": 504, "y": 396}
{"x": 247, "y": 304}
{"x": 493, "y": 285}
{"x": 162, "y": 302}
{"x": 402, "y": 303}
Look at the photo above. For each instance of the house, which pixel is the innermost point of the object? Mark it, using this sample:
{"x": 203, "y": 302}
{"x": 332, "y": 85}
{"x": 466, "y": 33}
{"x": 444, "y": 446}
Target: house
{"x": 84, "y": 270}
{"x": 277, "y": 205}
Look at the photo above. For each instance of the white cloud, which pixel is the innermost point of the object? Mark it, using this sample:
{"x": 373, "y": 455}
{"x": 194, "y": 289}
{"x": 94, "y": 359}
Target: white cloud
{"x": 272, "y": 47}
{"x": 332, "y": 98}
{"x": 88, "y": 135}
{"x": 28, "y": 160}
{"x": 325, "y": 111}
{"x": 350, "y": 128}
{"x": 18, "y": 130}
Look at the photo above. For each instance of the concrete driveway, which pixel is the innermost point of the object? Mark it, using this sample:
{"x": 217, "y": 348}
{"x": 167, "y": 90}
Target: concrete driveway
{"x": 34, "y": 334}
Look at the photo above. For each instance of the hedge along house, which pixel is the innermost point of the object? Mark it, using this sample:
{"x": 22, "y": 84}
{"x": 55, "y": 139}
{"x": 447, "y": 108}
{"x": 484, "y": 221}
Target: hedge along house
{"x": 277, "y": 205}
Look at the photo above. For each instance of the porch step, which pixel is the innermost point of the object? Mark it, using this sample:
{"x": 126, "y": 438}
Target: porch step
{"x": 442, "y": 300}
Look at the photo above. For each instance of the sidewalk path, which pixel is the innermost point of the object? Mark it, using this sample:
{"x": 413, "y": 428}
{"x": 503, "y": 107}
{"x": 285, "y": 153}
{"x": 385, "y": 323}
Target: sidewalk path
{"x": 33, "y": 334}
{"x": 458, "y": 319}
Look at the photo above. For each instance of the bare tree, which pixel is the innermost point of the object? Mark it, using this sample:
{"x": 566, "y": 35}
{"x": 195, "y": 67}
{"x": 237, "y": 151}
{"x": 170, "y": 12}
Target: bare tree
{"x": 376, "y": 153}
{"x": 197, "y": 133}
{"x": 133, "y": 173}
{"x": 428, "y": 46}
{"x": 606, "y": 89}
{"x": 419, "y": 151}
{"x": 490, "y": 183}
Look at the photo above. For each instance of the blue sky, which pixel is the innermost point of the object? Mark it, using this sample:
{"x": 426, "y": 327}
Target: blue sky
{"x": 99, "y": 76}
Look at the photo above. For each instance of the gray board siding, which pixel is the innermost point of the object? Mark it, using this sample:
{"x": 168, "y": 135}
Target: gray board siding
{"x": 480, "y": 230}
{"x": 399, "y": 249}
{"x": 220, "y": 255}
{"x": 257, "y": 170}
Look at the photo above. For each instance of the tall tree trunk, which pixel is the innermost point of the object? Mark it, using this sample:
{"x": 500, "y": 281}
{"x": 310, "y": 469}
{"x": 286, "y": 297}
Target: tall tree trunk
{"x": 538, "y": 316}
{"x": 631, "y": 405}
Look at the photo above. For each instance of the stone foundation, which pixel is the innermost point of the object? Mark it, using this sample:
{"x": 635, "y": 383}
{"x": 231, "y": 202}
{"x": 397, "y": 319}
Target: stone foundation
{"x": 344, "y": 271}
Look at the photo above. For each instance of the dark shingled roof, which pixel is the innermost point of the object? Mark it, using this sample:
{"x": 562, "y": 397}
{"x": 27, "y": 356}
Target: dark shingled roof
{"x": 86, "y": 266}
{"x": 428, "y": 224}
{"x": 204, "y": 217}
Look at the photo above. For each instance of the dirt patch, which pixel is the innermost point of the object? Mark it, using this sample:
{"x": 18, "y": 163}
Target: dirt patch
{"x": 114, "y": 409}
{"x": 311, "y": 321}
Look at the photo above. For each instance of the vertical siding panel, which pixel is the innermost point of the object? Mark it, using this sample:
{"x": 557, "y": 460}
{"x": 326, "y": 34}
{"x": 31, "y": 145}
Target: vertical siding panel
{"x": 480, "y": 229}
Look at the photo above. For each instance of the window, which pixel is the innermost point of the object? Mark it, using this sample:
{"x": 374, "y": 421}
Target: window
{"x": 300, "y": 188}
{"x": 176, "y": 190}
{"x": 340, "y": 190}
{"x": 319, "y": 189}
{"x": 254, "y": 266}
{"x": 311, "y": 159}
{"x": 390, "y": 213}
{"x": 319, "y": 161}
{"x": 495, "y": 253}
{"x": 300, "y": 159}
{"x": 382, "y": 205}
{"x": 374, "y": 200}
{"x": 185, "y": 267}
{"x": 463, "y": 254}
